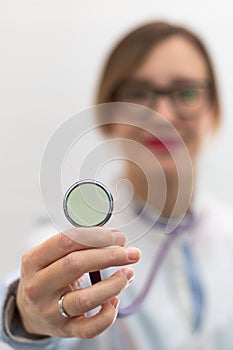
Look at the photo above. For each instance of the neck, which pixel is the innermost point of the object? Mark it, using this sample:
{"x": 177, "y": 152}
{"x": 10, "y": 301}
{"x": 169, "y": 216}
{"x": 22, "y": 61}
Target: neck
{"x": 162, "y": 194}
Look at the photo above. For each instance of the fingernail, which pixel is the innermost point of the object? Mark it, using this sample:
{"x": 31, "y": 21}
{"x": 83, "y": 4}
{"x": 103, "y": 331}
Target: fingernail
{"x": 133, "y": 254}
{"x": 115, "y": 302}
{"x": 129, "y": 273}
{"x": 118, "y": 238}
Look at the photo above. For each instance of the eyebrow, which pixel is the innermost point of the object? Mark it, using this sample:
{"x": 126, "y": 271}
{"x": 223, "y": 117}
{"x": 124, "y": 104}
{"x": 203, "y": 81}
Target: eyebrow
{"x": 177, "y": 82}
{"x": 191, "y": 81}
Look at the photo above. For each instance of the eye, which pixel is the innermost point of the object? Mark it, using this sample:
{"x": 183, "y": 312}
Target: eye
{"x": 136, "y": 93}
{"x": 189, "y": 96}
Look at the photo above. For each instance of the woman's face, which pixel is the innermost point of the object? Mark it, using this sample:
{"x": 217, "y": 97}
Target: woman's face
{"x": 172, "y": 80}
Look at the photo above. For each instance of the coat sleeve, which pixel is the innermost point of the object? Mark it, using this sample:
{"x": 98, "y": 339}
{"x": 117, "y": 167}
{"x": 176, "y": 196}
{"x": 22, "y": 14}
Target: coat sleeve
{"x": 12, "y": 332}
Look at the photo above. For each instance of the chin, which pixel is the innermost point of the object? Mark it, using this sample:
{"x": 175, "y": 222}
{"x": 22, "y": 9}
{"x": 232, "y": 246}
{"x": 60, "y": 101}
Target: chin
{"x": 160, "y": 168}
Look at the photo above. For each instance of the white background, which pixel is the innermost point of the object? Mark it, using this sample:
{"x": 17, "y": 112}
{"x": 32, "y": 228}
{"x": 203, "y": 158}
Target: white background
{"x": 51, "y": 53}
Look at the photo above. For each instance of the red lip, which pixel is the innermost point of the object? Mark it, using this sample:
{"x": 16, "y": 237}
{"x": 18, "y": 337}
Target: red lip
{"x": 160, "y": 144}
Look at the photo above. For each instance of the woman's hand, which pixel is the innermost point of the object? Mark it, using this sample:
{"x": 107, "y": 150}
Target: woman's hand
{"x": 51, "y": 269}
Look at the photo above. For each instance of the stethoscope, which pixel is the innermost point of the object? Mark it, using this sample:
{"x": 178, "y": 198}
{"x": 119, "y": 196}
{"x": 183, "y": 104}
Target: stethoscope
{"x": 89, "y": 203}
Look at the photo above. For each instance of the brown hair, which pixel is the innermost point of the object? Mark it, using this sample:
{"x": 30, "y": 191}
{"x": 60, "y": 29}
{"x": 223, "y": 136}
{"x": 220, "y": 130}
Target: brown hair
{"x": 132, "y": 49}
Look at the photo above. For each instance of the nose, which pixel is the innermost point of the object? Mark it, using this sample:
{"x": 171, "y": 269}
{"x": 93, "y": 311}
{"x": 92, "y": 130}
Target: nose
{"x": 165, "y": 108}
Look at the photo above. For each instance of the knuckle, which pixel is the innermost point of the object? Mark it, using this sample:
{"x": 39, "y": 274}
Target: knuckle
{"x": 25, "y": 260}
{"x": 120, "y": 282}
{"x": 94, "y": 329}
{"x": 28, "y": 258}
{"x": 90, "y": 332}
{"x": 30, "y": 291}
{"x": 64, "y": 241}
{"x": 73, "y": 263}
{"x": 115, "y": 256}
{"x": 83, "y": 302}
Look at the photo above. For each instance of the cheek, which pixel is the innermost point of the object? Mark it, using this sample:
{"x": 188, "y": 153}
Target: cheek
{"x": 123, "y": 133}
{"x": 126, "y": 132}
{"x": 120, "y": 131}
{"x": 197, "y": 132}
{"x": 130, "y": 140}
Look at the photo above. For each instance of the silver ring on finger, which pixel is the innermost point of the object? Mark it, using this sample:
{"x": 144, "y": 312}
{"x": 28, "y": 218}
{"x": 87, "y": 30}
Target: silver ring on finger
{"x": 61, "y": 307}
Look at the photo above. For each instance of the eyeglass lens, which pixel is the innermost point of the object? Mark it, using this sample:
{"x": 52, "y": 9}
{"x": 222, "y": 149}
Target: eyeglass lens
{"x": 187, "y": 99}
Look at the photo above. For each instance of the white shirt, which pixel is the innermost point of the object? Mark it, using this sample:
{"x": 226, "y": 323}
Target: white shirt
{"x": 165, "y": 319}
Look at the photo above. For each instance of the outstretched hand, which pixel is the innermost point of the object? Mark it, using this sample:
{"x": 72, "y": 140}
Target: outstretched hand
{"x": 55, "y": 267}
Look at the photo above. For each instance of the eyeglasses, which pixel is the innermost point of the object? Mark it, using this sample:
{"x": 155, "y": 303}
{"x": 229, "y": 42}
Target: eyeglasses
{"x": 188, "y": 98}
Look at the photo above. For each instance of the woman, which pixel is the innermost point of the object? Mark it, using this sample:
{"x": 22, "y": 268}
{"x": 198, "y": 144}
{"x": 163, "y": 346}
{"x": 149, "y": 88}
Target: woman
{"x": 189, "y": 304}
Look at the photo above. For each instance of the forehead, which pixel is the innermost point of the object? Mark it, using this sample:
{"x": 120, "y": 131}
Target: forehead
{"x": 174, "y": 58}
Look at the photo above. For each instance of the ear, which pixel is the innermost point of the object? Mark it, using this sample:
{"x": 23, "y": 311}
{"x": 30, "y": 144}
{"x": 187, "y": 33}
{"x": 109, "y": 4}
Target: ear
{"x": 215, "y": 118}
{"x": 212, "y": 121}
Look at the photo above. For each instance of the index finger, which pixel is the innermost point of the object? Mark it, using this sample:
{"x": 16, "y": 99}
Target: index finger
{"x": 71, "y": 240}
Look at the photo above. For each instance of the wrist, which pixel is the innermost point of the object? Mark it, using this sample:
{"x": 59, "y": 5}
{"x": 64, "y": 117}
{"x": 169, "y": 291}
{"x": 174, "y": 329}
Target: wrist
{"x": 13, "y": 325}
{"x": 24, "y": 319}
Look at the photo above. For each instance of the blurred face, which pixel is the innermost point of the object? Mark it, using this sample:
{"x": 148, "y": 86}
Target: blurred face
{"x": 172, "y": 80}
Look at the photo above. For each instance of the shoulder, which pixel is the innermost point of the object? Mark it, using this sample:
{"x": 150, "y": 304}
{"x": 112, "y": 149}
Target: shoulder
{"x": 218, "y": 211}
{"x": 216, "y": 225}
